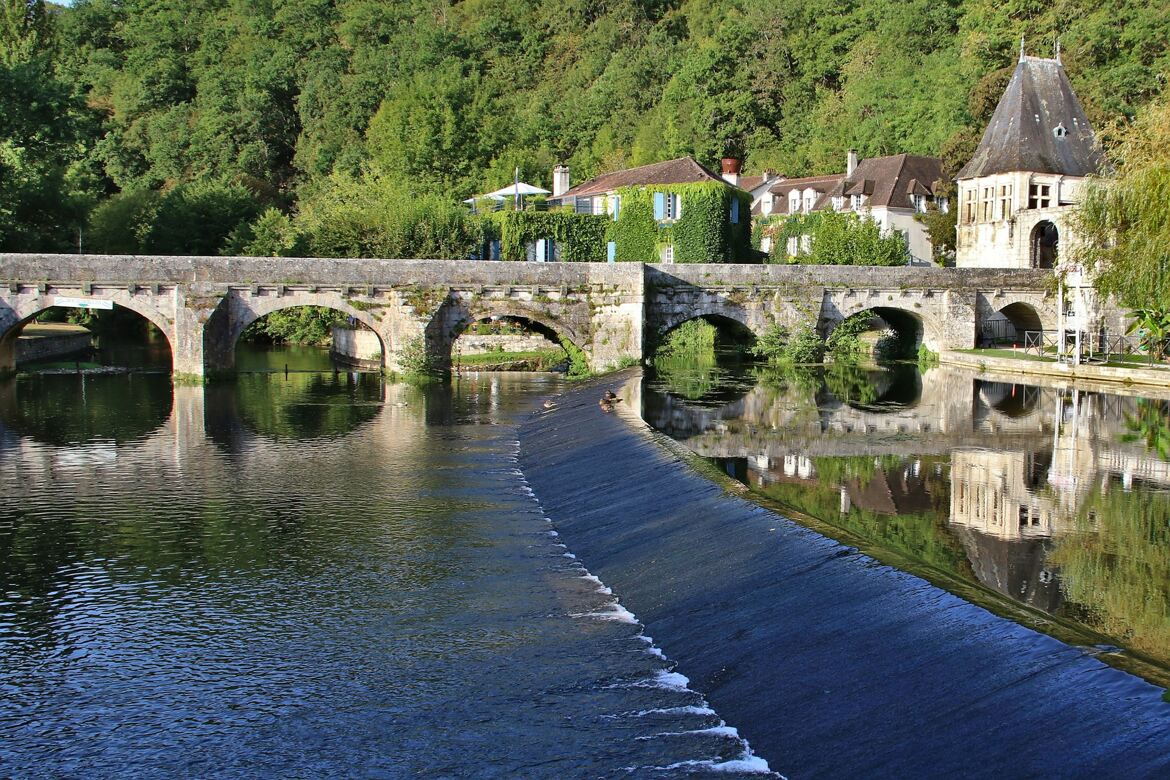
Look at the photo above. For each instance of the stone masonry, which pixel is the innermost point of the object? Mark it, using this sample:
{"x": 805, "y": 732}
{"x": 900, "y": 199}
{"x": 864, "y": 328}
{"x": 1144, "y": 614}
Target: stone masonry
{"x": 614, "y": 313}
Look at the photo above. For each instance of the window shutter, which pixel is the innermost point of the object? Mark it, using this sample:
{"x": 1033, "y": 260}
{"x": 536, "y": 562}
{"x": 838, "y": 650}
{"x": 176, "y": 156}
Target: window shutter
{"x": 617, "y": 207}
{"x": 677, "y": 206}
{"x": 540, "y": 250}
{"x": 495, "y": 252}
{"x": 611, "y": 252}
{"x": 550, "y": 247}
{"x": 659, "y": 206}
{"x": 734, "y": 210}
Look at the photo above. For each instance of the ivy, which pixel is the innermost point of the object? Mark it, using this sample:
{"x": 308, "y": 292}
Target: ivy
{"x": 581, "y": 237}
{"x": 834, "y": 238}
{"x": 703, "y": 234}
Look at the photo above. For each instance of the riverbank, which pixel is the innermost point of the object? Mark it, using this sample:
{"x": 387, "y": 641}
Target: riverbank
{"x": 49, "y": 340}
{"x": 830, "y": 662}
{"x": 1030, "y": 365}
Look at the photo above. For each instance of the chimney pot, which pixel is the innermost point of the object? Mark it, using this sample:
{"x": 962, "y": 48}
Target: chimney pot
{"x": 731, "y": 169}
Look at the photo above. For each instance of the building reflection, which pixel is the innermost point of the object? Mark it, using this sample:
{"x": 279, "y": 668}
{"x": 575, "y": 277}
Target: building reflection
{"x": 1001, "y": 481}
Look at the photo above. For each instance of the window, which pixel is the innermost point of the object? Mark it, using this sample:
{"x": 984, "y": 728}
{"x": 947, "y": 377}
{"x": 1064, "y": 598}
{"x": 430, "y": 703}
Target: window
{"x": 734, "y": 214}
{"x": 919, "y": 203}
{"x": 838, "y": 202}
{"x": 794, "y": 202}
{"x": 967, "y": 198}
{"x": 793, "y": 246}
{"x": 1039, "y": 196}
{"x": 810, "y": 200}
{"x": 545, "y": 250}
{"x": 858, "y": 202}
{"x": 667, "y": 206}
{"x": 599, "y": 205}
{"x": 1005, "y": 201}
{"x": 583, "y": 205}
{"x": 943, "y": 204}
{"x": 986, "y": 205}
{"x": 668, "y": 253}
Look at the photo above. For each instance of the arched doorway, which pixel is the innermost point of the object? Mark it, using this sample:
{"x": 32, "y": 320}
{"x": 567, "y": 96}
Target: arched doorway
{"x": 1045, "y": 245}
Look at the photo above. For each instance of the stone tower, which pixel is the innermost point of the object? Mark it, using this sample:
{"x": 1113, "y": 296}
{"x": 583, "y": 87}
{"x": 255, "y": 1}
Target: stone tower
{"x": 1016, "y": 192}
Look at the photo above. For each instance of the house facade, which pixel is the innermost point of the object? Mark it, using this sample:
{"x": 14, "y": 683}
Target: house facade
{"x": 890, "y": 190}
{"x": 1018, "y": 191}
{"x": 672, "y": 211}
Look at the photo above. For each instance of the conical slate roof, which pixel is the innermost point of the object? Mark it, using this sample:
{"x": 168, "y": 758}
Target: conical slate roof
{"x": 1038, "y": 126}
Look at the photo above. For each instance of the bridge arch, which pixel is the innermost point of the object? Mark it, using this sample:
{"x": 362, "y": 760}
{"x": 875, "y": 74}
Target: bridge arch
{"x": 233, "y": 315}
{"x": 1006, "y": 318}
{"x": 718, "y": 313}
{"x": 912, "y": 327}
{"x": 457, "y": 314}
{"x": 13, "y": 320}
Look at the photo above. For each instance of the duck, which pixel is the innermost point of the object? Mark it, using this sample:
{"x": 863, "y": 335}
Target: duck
{"x": 610, "y": 396}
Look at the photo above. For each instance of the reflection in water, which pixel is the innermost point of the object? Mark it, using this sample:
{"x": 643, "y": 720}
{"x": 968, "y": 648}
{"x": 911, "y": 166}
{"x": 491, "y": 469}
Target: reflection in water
{"x": 1056, "y": 498}
{"x": 363, "y": 580}
{"x": 65, "y": 409}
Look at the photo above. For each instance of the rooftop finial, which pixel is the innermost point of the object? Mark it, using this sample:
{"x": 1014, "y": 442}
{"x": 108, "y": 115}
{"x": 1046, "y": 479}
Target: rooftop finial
{"x": 1058, "y": 48}
{"x": 1021, "y": 48}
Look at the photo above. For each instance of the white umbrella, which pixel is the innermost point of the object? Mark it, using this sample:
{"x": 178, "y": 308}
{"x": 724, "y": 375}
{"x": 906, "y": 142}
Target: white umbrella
{"x": 519, "y": 188}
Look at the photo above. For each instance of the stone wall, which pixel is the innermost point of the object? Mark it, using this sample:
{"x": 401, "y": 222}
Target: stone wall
{"x": 469, "y": 344}
{"x": 44, "y": 342}
{"x": 356, "y": 347}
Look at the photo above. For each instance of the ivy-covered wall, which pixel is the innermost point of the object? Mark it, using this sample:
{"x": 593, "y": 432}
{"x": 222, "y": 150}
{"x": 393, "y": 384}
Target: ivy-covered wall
{"x": 704, "y": 233}
{"x": 580, "y": 238}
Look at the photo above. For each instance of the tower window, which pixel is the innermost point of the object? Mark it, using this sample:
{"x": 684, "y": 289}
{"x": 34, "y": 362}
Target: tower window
{"x": 1039, "y": 196}
{"x": 1060, "y": 131}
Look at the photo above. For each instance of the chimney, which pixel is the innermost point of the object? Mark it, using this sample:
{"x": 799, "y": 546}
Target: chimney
{"x": 560, "y": 180}
{"x": 731, "y": 168}
{"x": 850, "y": 163}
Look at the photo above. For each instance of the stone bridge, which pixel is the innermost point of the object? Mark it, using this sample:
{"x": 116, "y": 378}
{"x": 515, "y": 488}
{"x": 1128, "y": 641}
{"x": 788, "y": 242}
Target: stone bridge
{"x": 614, "y": 313}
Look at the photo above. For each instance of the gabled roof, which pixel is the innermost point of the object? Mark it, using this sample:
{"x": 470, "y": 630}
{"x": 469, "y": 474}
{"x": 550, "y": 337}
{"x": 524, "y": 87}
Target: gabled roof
{"x": 890, "y": 181}
{"x": 684, "y": 170}
{"x": 1038, "y": 126}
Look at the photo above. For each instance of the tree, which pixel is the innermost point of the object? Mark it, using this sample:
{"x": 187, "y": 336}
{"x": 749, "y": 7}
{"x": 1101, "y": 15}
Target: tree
{"x": 1124, "y": 221}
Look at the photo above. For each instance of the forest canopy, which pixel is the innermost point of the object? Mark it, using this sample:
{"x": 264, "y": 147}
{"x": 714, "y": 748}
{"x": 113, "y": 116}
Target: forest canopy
{"x": 109, "y": 106}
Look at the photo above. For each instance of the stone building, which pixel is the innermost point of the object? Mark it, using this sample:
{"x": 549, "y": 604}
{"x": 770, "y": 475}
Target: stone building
{"x": 1017, "y": 191}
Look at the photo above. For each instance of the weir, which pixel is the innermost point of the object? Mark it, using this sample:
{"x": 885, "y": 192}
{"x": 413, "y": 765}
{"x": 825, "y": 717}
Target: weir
{"x": 830, "y": 663}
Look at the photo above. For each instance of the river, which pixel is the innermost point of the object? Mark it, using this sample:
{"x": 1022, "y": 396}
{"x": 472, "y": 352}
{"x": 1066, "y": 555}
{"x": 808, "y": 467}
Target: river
{"x": 310, "y": 574}
{"x": 1047, "y": 503}
{"x": 307, "y": 572}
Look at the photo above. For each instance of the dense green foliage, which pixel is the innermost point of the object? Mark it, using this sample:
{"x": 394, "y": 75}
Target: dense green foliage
{"x": 446, "y": 99}
{"x": 703, "y": 233}
{"x": 694, "y": 339}
{"x": 1125, "y": 221}
{"x": 834, "y": 238}
{"x": 799, "y": 347}
{"x": 296, "y": 325}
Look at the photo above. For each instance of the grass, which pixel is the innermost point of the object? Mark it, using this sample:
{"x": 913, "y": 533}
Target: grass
{"x": 540, "y": 360}
{"x": 1007, "y": 353}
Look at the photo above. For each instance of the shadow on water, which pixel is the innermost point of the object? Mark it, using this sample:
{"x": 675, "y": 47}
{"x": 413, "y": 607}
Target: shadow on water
{"x": 1056, "y": 499}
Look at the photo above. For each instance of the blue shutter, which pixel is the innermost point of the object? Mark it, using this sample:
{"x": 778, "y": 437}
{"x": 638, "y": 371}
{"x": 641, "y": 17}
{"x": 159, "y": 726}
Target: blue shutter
{"x": 659, "y": 206}
{"x": 734, "y": 210}
{"x": 495, "y": 252}
{"x": 617, "y": 207}
{"x": 611, "y": 252}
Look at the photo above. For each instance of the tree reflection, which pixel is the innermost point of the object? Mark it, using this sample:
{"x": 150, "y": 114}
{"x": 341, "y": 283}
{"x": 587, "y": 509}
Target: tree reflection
{"x": 1150, "y": 425}
{"x": 68, "y": 409}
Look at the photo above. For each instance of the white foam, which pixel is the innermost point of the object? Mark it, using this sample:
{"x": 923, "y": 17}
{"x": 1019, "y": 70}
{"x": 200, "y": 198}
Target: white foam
{"x": 614, "y": 611}
{"x": 722, "y": 730}
{"x": 655, "y": 651}
{"x": 591, "y": 578}
{"x": 689, "y": 709}
{"x": 748, "y": 763}
{"x": 569, "y": 556}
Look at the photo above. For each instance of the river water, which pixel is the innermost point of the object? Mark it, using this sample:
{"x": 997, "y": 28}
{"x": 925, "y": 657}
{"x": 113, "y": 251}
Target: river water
{"x": 1046, "y": 503}
{"x": 311, "y": 574}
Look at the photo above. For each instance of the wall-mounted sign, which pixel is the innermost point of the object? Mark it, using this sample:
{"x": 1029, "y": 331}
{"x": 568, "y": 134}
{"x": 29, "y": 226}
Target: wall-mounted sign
{"x": 82, "y": 303}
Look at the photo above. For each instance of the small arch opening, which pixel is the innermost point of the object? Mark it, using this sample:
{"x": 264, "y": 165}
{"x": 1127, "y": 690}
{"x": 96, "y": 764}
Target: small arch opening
{"x": 308, "y": 339}
{"x": 704, "y": 359}
{"x": 1045, "y": 245}
{"x": 1010, "y": 325}
{"x": 881, "y": 333}
{"x": 509, "y": 343}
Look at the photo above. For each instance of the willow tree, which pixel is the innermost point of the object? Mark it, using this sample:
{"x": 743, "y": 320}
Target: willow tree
{"x": 1125, "y": 220}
